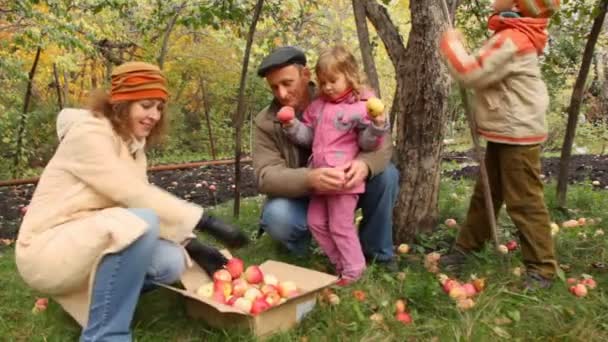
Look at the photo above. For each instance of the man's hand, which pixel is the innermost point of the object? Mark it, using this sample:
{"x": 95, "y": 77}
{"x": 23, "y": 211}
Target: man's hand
{"x": 356, "y": 172}
{"x": 327, "y": 179}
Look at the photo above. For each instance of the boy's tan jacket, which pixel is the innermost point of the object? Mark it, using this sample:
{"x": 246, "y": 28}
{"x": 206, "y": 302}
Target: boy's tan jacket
{"x": 511, "y": 98}
{"x": 280, "y": 166}
{"x": 78, "y": 210}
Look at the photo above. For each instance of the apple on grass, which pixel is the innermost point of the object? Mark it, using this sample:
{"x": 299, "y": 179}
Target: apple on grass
{"x": 403, "y": 317}
{"x": 400, "y": 306}
{"x": 469, "y": 289}
{"x": 511, "y": 245}
{"x": 579, "y": 290}
{"x": 235, "y": 267}
{"x": 451, "y": 223}
{"x": 403, "y": 248}
{"x": 502, "y": 249}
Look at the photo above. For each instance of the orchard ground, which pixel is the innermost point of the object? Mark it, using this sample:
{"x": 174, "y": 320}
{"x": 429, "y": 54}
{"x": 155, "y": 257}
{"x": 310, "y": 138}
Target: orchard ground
{"x": 502, "y": 310}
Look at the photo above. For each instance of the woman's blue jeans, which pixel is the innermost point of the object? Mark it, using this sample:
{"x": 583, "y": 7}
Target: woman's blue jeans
{"x": 122, "y": 276}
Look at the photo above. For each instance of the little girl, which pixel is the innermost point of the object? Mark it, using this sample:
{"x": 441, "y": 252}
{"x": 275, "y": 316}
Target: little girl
{"x": 337, "y": 126}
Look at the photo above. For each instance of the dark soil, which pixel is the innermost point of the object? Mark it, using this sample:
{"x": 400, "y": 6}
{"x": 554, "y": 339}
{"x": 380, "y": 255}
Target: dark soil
{"x": 193, "y": 184}
{"x": 583, "y": 168}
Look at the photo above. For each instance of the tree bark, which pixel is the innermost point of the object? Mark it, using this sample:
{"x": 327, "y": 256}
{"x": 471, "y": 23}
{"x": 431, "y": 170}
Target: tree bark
{"x": 57, "y": 87}
{"x": 366, "y": 49}
{"x": 421, "y": 105}
{"x": 240, "y": 109}
{"x": 207, "y": 110}
{"x": 23, "y": 118}
{"x": 575, "y": 104}
{"x": 167, "y": 34}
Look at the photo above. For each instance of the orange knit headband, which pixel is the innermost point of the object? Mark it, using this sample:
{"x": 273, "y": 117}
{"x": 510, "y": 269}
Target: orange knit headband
{"x": 137, "y": 81}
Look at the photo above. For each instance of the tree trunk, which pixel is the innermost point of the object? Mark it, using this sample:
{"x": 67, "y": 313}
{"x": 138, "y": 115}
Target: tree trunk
{"x": 575, "y": 104}
{"x": 366, "y": 48}
{"x": 168, "y": 30}
{"x": 421, "y": 103}
{"x": 207, "y": 110}
{"x": 23, "y": 118}
{"x": 57, "y": 87}
{"x": 240, "y": 109}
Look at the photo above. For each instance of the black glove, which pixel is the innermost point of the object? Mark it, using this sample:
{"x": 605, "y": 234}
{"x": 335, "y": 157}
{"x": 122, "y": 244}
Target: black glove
{"x": 228, "y": 234}
{"x": 207, "y": 257}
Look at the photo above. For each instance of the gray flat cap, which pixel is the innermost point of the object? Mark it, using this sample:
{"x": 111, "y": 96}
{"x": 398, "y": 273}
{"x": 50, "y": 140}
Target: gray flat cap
{"x": 280, "y": 57}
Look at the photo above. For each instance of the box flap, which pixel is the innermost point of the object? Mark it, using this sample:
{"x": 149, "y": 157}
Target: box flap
{"x": 306, "y": 279}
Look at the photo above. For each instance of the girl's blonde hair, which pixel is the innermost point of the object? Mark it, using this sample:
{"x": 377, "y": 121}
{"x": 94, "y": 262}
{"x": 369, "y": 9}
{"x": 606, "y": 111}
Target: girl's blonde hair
{"x": 118, "y": 114}
{"x": 338, "y": 59}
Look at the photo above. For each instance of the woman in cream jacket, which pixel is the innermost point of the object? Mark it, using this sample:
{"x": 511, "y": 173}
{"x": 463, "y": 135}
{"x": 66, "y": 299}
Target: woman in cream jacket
{"x": 96, "y": 233}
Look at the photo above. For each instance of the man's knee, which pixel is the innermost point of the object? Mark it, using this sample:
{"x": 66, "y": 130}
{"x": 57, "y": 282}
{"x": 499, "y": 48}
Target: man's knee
{"x": 387, "y": 179}
{"x": 279, "y": 217}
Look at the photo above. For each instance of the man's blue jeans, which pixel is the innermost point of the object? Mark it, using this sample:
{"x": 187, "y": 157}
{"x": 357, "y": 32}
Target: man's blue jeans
{"x": 284, "y": 219}
{"x": 121, "y": 277}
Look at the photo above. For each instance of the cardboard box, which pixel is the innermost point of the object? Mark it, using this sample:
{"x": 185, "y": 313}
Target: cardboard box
{"x": 278, "y": 318}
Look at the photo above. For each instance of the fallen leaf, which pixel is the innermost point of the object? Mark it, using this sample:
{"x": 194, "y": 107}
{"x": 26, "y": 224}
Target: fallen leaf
{"x": 501, "y": 332}
{"x": 502, "y": 321}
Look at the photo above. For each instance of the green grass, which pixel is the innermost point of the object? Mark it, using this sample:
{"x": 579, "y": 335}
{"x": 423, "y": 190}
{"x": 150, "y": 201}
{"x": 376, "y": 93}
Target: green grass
{"x": 502, "y": 311}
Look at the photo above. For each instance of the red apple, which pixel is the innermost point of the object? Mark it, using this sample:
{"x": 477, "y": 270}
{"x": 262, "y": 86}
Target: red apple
{"x": 579, "y": 290}
{"x": 449, "y": 285}
{"x": 239, "y": 287}
{"x": 511, "y": 245}
{"x": 266, "y": 289}
{"x": 469, "y": 289}
{"x": 23, "y": 210}
{"x": 359, "y": 295}
{"x": 571, "y": 281}
{"x": 254, "y": 275}
{"x": 219, "y": 296}
{"x": 223, "y": 286}
{"x": 259, "y": 305}
{"x": 479, "y": 283}
{"x": 231, "y": 300}
{"x": 287, "y": 289}
{"x": 222, "y": 275}
{"x": 590, "y": 283}
{"x": 286, "y": 114}
{"x": 212, "y": 187}
{"x": 451, "y": 223}
{"x": 235, "y": 267}
{"x": 404, "y": 317}
{"x": 458, "y": 293}
{"x": 243, "y": 304}
{"x": 272, "y": 298}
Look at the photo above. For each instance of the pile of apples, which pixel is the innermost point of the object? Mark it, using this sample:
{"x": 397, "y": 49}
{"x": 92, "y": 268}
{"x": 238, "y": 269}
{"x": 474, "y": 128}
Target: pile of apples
{"x": 249, "y": 290}
{"x": 579, "y": 287}
{"x": 462, "y": 293}
{"x": 580, "y": 222}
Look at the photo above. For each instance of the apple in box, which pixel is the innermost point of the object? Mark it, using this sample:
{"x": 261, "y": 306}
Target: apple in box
{"x": 222, "y": 275}
{"x": 252, "y": 294}
{"x": 287, "y": 289}
{"x": 235, "y": 267}
{"x": 223, "y": 286}
{"x": 254, "y": 275}
{"x": 270, "y": 279}
{"x": 239, "y": 287}
{"x": 273, "y": 298}
{"x": 259, "y": 305}
{"x": 243, "y": 304}
{"x": 205, "y": 291}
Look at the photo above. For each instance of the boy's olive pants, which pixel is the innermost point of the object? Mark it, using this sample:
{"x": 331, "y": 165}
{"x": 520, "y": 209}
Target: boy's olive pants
{"x": 514, "y": 177}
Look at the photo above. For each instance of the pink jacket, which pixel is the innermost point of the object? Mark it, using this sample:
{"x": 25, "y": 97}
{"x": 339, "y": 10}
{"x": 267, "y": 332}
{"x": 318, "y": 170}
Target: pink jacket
{"x": 337, "y": 131}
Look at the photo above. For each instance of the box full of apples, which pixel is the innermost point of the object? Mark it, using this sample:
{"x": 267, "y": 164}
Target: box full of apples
{"x": 266, "y": 298}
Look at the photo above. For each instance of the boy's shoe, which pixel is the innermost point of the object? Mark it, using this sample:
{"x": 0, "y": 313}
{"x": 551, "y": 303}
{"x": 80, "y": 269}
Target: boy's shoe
{"x": 454, "y": 260}
{"x": 535, "y": 281}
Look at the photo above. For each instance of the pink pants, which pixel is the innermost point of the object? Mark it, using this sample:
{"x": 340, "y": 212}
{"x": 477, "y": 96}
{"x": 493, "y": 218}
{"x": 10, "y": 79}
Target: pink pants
{"x": 331, "y": 221}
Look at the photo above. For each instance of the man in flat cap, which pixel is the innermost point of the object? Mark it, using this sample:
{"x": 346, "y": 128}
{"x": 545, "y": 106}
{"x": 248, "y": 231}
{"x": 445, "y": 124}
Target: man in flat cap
{"x": 281, "y": 172}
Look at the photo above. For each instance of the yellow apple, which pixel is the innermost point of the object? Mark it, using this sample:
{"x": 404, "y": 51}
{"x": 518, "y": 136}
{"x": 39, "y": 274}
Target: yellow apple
{"x": 375, "y": 107}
